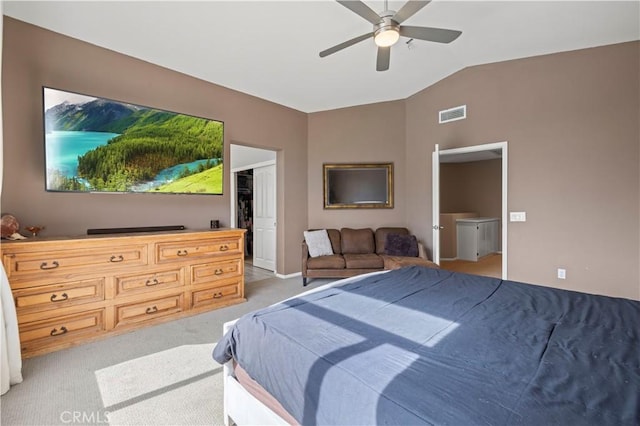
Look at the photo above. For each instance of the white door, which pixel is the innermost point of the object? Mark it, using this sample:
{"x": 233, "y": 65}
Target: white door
{"x": 264, "y": 217}
{"x": 435, "y": 196}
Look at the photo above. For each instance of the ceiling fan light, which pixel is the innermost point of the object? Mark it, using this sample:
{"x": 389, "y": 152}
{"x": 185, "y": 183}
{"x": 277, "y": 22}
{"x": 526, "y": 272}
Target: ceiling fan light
{"x": 386, "y": 37}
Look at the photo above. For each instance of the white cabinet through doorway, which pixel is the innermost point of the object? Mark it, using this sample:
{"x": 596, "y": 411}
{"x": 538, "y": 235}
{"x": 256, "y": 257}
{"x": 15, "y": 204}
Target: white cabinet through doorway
{"x": 477, "y": 237}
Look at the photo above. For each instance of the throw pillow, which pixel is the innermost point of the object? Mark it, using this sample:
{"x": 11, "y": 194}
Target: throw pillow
{"x": 401, "y": 245}
{"x": 318, "y": 243}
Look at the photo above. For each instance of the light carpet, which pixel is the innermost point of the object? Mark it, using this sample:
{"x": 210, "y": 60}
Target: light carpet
{"x": 159, "y": 375}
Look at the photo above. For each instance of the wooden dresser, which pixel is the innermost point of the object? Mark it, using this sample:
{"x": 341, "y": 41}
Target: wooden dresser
{"x": 69, "y": 291}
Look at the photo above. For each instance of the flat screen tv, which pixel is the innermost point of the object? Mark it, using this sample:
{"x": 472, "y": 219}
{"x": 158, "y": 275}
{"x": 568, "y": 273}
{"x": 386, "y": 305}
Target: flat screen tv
{"x": 100, "y": 145}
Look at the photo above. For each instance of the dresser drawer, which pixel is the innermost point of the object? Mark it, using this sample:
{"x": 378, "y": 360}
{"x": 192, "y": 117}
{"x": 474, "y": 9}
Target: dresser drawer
{"x": 215, "y": 271}
{"x": 148, "y": 310}
{"x": 176, "y": 251}
{"x": 217, "y": 295}
{"x": 64, "y": 261}
{"x": 60, "y": 331}
{"x": 56, "y": 296}
{"x": 126, "y": 285}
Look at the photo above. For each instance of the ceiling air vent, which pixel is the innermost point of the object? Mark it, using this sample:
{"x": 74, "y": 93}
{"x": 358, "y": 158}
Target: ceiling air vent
{"x": 453, "y": 114}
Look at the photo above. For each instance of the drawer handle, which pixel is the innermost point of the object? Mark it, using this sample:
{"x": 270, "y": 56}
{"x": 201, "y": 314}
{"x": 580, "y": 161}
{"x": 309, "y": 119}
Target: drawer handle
{"x": 217, "y": 295}
{"x": 55, "y": 331}
{"x": 218, "y": 272}
{"x": 182, "y": 253}
{"x": 54, "y": 297}
{"x": 53, "y": 265}
{"x": 152, "y": 310}
{"x": 150, "y": 283}
{"x": 224, "y": 247}
{"x": 116, "y": 259}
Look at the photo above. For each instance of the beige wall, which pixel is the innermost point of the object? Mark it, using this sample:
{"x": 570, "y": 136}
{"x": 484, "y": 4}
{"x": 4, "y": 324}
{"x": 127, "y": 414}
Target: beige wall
{"x": 33, "y": 57}
{"x": 472, "y": 187}
{"x": 571, "y": 122}
{"x": 365, "y": 134}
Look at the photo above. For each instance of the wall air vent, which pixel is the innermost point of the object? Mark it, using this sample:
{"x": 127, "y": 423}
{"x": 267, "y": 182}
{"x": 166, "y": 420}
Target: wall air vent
{"x": 453, "y": 114}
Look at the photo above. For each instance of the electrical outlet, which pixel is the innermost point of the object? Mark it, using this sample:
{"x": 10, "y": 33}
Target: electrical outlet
{"x": 562, "y": 273}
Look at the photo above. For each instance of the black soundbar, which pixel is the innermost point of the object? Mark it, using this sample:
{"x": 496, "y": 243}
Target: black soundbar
{"x": 95, "y": 231}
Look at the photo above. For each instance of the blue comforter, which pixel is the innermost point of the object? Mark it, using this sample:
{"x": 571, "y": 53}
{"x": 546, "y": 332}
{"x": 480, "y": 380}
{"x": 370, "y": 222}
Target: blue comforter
{"x": 427, "y": 346}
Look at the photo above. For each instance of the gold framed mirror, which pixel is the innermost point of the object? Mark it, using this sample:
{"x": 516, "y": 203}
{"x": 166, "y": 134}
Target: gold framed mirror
{"x": 358, "y": 186}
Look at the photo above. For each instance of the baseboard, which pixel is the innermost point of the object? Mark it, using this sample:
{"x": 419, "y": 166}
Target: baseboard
{"x": 284, "y": 277}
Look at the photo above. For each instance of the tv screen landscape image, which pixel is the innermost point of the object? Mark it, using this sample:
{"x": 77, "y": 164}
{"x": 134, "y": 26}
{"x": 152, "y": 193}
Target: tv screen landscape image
{"x": 95, "y": 144}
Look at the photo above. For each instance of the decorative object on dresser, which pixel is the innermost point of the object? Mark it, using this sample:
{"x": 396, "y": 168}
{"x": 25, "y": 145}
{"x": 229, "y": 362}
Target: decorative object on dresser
{"x": 95, "y": 231}
{"x": 34, "y": 229}
{"x": 71, "y": 290}
{"x": 10, "y": 226}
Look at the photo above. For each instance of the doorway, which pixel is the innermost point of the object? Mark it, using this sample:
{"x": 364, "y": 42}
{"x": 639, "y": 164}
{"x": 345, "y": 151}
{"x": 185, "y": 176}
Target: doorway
{"x": 244, "y": 209}
{"x": 253, "y": 203}
{"x": 470, "y": 208}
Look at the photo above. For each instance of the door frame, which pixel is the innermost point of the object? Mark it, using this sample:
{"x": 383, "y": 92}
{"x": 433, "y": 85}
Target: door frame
{"x": 436, "y": 159}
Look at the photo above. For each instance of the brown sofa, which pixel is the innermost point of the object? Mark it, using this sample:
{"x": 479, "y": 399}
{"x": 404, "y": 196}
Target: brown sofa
{"x": 358, "y": 251}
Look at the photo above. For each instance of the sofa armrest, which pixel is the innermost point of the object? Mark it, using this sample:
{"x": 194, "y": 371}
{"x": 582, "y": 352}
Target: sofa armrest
{"x": 422, "y": 252}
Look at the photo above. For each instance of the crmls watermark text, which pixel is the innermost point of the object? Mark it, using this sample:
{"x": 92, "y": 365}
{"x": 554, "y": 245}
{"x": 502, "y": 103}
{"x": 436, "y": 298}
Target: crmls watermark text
{"x": 84, "y": 417}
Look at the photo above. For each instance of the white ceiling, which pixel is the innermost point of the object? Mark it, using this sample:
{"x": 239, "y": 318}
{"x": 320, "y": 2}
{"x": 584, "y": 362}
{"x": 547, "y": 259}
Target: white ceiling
{"x": 269, "y": 49}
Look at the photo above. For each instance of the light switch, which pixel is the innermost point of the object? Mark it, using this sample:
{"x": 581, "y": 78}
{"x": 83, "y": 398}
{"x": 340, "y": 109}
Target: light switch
{"x": 518, "y": 216}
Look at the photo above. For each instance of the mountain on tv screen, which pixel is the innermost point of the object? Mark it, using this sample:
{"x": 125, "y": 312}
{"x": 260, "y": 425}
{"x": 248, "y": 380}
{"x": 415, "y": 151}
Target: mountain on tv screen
{"x": 99, "y": 145}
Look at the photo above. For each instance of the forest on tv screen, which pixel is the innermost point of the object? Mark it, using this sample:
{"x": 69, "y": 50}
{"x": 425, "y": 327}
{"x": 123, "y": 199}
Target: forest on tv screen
{"x": 149, "y": 142}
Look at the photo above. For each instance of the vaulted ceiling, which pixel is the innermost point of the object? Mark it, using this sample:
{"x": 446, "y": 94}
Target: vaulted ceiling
{"x": 270, "y": 49}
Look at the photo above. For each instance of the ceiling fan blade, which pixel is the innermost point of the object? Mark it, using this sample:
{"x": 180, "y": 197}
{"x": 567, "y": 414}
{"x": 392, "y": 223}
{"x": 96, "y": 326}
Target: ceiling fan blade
{"x": 409, "y": 9}
{"x": 384, "y": 54}
{"x": 345, "y": 44}
{"x": 361, "y": 9}
{"x": 439, "y": 35}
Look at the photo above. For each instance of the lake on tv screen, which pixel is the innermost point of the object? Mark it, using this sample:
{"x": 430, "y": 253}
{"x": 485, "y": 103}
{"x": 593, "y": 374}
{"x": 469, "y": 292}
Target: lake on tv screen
{"x": 63, "y": 149}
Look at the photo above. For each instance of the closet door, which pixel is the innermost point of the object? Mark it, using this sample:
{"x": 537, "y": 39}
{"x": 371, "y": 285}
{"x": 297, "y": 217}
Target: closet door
{"x": 264, "y": 217}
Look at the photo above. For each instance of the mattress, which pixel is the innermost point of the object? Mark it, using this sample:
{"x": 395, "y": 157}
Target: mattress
{"x": 426, "y": 346}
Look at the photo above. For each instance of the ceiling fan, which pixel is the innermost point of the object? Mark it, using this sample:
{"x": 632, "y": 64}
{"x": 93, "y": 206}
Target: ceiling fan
{"x": 387, "y": 29}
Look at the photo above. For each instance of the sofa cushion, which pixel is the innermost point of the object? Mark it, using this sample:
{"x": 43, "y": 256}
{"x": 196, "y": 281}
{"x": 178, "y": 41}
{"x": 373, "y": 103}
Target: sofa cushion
{"x": 334, "y": 237}
{"x": 334, "y": 261}
{"x": 401, "y": 245}
{"x": 363, "y": 261}
{"x": 357, "y": 241}
{"x": 381, "y": 236}
{"x": 318, "y": 243}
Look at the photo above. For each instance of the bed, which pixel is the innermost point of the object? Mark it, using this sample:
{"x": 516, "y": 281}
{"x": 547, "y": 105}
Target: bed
{"x": 427, "y": 346}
